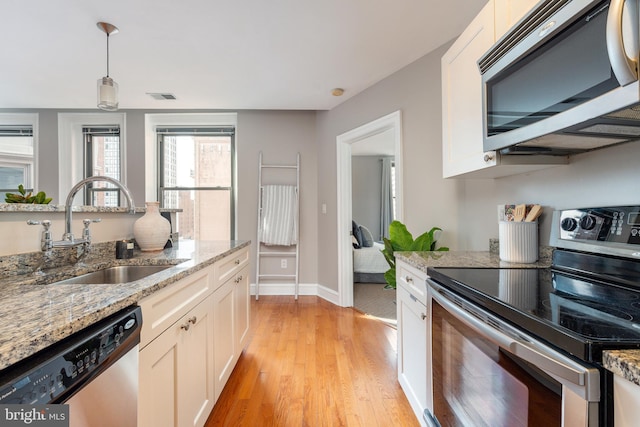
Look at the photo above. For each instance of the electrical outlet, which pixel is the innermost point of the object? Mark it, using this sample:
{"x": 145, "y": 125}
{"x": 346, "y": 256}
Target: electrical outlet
{"x": 283, "y": 263}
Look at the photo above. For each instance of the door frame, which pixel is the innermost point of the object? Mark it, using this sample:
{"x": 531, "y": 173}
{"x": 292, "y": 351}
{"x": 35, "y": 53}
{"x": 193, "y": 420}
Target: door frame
{"x": 392, "y": 122}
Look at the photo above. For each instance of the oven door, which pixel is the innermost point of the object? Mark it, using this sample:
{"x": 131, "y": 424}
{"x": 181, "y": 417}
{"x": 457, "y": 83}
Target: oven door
{"x": 487, "y": 373}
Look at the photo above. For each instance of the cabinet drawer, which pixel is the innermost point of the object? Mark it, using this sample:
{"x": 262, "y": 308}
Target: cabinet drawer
{"x": 230, "y": 265}
{"x": 412, "y": 280}
{"x": 165, "y": 307}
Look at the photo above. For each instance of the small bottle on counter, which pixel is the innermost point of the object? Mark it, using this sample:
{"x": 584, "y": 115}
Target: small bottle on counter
{"x": 124, "y": 249}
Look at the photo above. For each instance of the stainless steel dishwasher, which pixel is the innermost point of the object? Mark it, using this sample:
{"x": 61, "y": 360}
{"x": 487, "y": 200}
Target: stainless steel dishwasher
{"x": 94, "y": 371}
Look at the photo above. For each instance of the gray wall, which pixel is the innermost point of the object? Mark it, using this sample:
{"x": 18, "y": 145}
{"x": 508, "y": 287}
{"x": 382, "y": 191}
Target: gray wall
{"x": 278, "y": 134}
{"x": 464, "y": 208}
{"x": 366, "y": 186}
{"x": 428, "y": 199}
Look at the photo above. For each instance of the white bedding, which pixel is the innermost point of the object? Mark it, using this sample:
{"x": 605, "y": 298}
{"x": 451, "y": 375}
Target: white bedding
{"x": 369, "y": 260}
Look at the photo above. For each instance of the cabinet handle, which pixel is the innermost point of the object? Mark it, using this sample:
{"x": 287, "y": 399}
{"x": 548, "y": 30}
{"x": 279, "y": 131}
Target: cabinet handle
{"x": 488, "y": 157}
{"x": 423, "y": 316}
{"x": 237, "y": 262}
{"x": 408, "y": 279}
{"x": 185, "y": 326}
{"x": 193, "y": 320}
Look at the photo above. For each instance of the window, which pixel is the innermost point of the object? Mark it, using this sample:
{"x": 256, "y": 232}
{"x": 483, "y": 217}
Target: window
{"x": 16, "y": 158}
{"x": 102, "y": 150}
{"x": 196, "y": 174}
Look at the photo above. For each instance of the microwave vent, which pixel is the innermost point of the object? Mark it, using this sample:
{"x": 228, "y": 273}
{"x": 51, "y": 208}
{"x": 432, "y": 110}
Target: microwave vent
{"x": 520, "y": 31}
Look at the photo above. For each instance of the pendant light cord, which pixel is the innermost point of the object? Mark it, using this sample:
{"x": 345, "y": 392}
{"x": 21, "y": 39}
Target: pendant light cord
{"x": 107, "y": 54}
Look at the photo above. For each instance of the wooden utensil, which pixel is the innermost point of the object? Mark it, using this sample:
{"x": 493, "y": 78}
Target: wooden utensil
{"x": 519, "y": 212}
{"x": 534, "y": 213}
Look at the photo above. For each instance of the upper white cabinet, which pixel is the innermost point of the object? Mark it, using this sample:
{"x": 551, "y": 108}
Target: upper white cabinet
{"x": 462, "y": 150}
{"x": 508, "y": 12}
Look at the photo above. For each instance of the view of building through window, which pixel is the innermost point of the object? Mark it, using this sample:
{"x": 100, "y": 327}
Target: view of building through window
{"x": 102, "y": 157}
{"x": 197, "y": 177}
{"x": 16, "y": 159}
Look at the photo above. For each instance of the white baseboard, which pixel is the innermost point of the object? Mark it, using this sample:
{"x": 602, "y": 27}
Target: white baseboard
{"x": 303, "y": 289}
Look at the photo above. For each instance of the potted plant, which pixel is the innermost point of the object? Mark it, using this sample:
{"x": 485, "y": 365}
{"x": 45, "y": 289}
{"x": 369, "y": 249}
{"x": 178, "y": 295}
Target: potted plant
{"x": 401, "y": 240}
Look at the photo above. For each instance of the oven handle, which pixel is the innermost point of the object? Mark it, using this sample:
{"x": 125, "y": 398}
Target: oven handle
{"x": 545, "y": 358}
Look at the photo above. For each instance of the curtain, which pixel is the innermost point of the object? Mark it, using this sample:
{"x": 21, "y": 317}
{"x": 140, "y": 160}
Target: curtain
{"x": 386, "y": 204}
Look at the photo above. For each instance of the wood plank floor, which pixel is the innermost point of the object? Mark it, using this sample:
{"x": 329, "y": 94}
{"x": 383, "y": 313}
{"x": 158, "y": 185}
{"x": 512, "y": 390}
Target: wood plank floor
{"x": 311, "y": 363}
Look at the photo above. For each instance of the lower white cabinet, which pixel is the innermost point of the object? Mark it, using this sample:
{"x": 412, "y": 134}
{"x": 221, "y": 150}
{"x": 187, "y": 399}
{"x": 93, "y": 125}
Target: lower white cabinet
{"x": 626, "y": 397}
{"x": 176, "y": 372}
{"x": 413, "y": 343}
{"x": 193, "y": 334}
{"x": 231, "y": 320}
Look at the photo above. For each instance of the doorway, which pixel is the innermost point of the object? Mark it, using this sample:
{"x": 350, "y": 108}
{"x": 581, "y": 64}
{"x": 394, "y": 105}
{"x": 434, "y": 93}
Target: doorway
{"x": 391, "y": 124}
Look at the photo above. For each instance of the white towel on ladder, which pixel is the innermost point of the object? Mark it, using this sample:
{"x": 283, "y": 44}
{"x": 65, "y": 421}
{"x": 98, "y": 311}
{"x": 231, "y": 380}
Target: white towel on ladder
{"x": 279, "y": 223}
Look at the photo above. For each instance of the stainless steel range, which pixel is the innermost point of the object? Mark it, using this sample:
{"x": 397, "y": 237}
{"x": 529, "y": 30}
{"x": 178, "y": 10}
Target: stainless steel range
{"x": 523, "y": 347}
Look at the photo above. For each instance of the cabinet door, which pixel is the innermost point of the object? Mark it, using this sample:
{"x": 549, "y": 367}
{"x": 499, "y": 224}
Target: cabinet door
{"x": 176, "y": 372}
{"x": 413, "y": 362}
{"x": 196, "y": 374}
{"x": 223, "y": 341}
{"x": 626, "y": 396}
{"x": 242, "y": 314}
{"x": 462, "y": 98}
{"x": 158, "y": 376}
{"x": 508, "y": 12}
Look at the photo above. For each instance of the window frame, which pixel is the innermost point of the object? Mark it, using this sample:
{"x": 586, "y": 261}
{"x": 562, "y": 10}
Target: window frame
{"x": 229, "y": 131}
{"x": 30, "y": 163}
{"x": 88, "y": 133}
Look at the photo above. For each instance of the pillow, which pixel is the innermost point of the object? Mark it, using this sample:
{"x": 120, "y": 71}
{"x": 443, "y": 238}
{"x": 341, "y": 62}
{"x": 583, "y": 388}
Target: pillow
{"x": 367, "y": 237}
{"x": 355, "y": 231}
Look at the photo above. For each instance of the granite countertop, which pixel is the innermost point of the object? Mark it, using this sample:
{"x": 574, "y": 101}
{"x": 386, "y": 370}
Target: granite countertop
{"x": 34, "y": 316}
{"x": 624, "y": 363}
{"x": 477, "y": 259}
{"x": 29, "y": 207}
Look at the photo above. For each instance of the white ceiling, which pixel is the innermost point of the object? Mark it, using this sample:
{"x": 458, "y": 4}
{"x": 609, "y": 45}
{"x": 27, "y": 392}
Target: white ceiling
{"x": 215, "y": 54}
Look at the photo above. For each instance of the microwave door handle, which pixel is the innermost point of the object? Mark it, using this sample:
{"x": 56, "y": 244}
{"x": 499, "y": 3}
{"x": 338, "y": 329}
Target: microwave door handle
{"x": 547, "y": 360}
{"x": 624, "y": 68}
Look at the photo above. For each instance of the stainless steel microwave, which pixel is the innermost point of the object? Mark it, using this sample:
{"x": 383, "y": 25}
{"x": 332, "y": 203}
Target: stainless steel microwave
{"x": 564, "y": 79}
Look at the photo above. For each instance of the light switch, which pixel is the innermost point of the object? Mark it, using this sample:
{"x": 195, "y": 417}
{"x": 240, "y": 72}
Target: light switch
{"x": 324, "y": 208}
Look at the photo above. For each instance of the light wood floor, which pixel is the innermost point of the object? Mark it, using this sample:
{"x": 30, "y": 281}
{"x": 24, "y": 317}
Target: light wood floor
{"x": 311, "y": 363}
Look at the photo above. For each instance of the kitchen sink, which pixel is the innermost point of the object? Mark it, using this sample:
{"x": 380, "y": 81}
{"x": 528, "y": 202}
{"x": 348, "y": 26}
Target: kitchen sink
{"x": 117, "y": 274}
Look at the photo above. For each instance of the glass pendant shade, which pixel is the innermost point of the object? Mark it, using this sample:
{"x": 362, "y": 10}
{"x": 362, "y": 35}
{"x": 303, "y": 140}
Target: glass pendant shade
{"x": 107, "y": 94}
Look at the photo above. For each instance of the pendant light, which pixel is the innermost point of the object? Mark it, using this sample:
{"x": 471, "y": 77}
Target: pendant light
{"x": 107, "y": 88}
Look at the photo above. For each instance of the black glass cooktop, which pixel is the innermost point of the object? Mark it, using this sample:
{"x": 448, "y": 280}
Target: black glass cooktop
{"x": 577, "y": 315}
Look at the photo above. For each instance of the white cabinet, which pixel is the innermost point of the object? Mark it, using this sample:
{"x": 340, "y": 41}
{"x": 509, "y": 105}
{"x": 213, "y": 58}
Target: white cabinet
{"x": 176, "y": 372}
{"x": 414, "y": 345}
{"x": 224, "y": 346}
{"x": 462, "y": 150}
{"x": 231, "y": 301}
{"x": 192, "y": 335}
{"x": 626, "y": 400}
{"x": 509, "y": 12}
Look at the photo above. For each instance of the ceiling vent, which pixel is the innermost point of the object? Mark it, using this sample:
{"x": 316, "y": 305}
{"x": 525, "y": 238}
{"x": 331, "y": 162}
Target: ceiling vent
{"x": 162, "y": 96}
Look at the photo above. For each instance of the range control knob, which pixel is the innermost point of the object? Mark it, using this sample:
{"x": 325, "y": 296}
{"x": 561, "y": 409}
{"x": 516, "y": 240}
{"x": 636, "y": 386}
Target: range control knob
{"x": 569, "y": 224}
{"x": 587, "y": 222}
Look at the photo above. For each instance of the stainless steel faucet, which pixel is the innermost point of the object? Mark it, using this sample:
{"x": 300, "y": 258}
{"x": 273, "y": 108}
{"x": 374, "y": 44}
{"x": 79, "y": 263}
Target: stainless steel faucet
{"x": 47, "y": 243}
{"x": 68, "y": 235}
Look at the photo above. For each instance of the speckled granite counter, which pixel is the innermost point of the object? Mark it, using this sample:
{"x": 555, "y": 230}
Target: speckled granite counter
{"x": 34, "y": 316}
{"x": 625, "y": 363}
{"x": 423, "y": 260}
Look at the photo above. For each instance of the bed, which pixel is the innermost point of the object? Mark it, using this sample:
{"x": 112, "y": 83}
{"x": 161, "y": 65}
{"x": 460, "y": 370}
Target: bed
{"x": 369, "y": 264}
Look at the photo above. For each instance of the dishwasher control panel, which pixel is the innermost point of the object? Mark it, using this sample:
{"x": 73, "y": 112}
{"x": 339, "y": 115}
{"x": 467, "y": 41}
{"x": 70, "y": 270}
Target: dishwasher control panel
{"x": 56, "y": 373}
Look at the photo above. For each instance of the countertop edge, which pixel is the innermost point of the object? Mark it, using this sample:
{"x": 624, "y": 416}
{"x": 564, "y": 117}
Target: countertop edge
{"x": 624, "y": 363}
{"x": 39, "y": 337}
